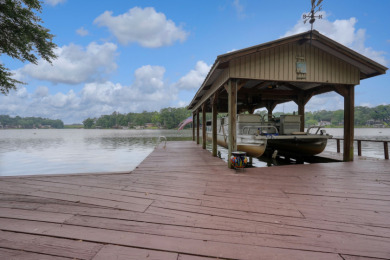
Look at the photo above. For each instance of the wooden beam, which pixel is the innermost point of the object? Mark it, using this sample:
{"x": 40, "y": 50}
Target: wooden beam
{"x": 301, "y": 112}
{"x": 341, "y": 90}
{"x": 214, "y": 105}
{"x": 193, "y": 126}
{"x": 270, "y": 105}
{"x": 226, "y": 87}
{"x": 240, "y": 84}
{"x": 270, "y": 92}
{"x": 204, "y": 125}
{"x": 301, "y": 100}
{"x": 214, "y": 88}
{"x": 197, "y": 126}
{"x": 232, "y": 108}
{"x": 349, "y": 106}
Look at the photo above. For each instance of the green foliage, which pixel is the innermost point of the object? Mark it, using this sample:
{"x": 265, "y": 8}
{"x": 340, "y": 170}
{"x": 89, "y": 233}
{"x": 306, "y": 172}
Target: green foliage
{"x": 362, "y": 116}
{"x": 29, "y": 122}
{"x": 336, "y": 118}
{"x": 167, "y": 118}
{"x": 310, "y": 122}
{"x": 171, "y": 117}
{"x": 88, "y": 123}
{"x": 381, "y": 113}
{"x": 74, "y": 126}
{"x": 22, "y": 37}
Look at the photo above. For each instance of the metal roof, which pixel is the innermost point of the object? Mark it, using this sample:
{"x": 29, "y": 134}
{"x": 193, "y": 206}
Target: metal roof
{"x": 367, "y": 67}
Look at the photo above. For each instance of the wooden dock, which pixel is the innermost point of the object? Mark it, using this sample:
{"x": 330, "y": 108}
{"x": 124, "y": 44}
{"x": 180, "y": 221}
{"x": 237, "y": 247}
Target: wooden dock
{"x": 183, "y": 204}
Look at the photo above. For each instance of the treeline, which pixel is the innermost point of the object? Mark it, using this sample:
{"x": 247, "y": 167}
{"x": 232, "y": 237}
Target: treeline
{"x": 167, "y": 118}
{"x": 29, "y": 122}
{"x": 171, "y": 117}
{"x": 364, "y": 116}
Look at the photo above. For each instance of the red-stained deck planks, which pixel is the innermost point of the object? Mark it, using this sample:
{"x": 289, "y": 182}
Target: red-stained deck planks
{"x": 181, "y": 203}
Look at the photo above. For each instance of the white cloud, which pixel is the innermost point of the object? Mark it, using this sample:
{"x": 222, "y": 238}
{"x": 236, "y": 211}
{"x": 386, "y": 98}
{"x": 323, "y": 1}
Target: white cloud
{"x": 41, "y": 91}
{"x": 40, "y": 103}
{"x": 239, "y": 8}
{"x": 328, "y": 101}
{"x": 182, "y": 103}
{"x": 149, "y": 78}
{"x": 342, "y": 31}
{"x": 149, "y": 91}
{"x": 54, "y": 2}
{"x": 82, "y": 31}
{"x": 366, "y": 104}
{"x": 75, "y": 64}
{"x": 194, "y": 78}
{"x": 144, "y": 26}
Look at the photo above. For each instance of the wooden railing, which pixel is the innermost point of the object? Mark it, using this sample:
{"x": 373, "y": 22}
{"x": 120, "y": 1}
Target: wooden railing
{"x": 359, "y": 145}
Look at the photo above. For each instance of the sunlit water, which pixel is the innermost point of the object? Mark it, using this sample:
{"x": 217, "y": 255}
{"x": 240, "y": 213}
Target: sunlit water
{"x": 369, "y": 149}
{"x": 50, "y": 151}
{"x": 33, "y": 151}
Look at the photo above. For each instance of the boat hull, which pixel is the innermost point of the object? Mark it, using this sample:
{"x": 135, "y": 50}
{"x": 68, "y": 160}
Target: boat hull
{"x": 252, "y": 150}
{"x": 298, "y": 146}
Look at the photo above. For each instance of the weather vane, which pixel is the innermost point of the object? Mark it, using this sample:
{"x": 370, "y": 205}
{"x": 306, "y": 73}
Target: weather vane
{"x": 311, "y": 16}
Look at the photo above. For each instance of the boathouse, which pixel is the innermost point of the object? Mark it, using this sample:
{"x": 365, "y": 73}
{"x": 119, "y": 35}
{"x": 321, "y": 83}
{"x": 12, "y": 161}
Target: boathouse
{"x": 294, "y": 68}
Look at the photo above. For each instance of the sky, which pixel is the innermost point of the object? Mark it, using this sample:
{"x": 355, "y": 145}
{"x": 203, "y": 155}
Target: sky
{"x": 133, "y": 56}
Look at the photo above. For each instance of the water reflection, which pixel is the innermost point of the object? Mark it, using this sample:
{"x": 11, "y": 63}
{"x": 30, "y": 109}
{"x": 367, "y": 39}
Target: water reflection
{"x": 49, "y": 151}
{"x": 15, "y": 140}
{"x": 26, "y": 152}
{"x": 370, "y": 149}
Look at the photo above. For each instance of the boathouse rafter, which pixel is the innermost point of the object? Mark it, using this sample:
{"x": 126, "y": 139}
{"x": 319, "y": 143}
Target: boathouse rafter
{"x": 294, "y": 68}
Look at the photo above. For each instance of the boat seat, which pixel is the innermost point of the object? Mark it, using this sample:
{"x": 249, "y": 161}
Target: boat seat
{"x": 298, "y": 133}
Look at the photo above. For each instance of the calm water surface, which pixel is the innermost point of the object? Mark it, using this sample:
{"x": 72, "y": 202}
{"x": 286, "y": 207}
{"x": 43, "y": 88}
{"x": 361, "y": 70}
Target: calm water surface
{"x": 33, "y": 151}
{"x": 52, "y": 151}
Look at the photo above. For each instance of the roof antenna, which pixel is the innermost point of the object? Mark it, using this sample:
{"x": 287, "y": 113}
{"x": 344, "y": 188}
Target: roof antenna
{"x": 311, "y": 16}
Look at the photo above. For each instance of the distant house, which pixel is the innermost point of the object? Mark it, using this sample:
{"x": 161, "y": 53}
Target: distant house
{"x": 374, "y": 123}
{"x": 45, "y": 126}
{"x": 324, "y": 123}
{"x": 149, "y": 125}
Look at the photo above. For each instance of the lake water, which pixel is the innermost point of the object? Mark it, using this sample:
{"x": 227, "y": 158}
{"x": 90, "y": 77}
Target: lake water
{"x": 50, "y": 151}
{"x": 56, "y": 151}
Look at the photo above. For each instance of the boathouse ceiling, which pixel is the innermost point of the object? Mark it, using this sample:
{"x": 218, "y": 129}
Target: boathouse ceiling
{"x": 288, "y": 69}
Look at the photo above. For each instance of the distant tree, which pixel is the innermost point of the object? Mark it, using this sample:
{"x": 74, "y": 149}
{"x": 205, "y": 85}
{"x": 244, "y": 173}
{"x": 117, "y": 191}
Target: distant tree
{"x": 310, "y": 122}
{"x": 29, "y": 122}
{"x": 88, "y": 123}
{"x": 337, "y": 117}
{"x": 22, "y": 37}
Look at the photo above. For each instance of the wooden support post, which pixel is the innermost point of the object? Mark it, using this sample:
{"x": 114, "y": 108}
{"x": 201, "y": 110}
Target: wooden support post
{"x": 270, "y": 107}
{"x": 232, "y": 110}
{"x": 204, "y": 126}
{"x": 359, "y": 142}
{"x": 348, "y": 92}
{"x": 386, "y": 150}
{"x": 269, "y": 115}
{"x": 349, "y": 106}
{"x": 301, "y": 112}
{"x": 338, "y": 145}
{"x": 197, "y": 126}
{"x": 193, "y": 127}
{"x": 214, "y": 124}
{"x": 301, "y": 101}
